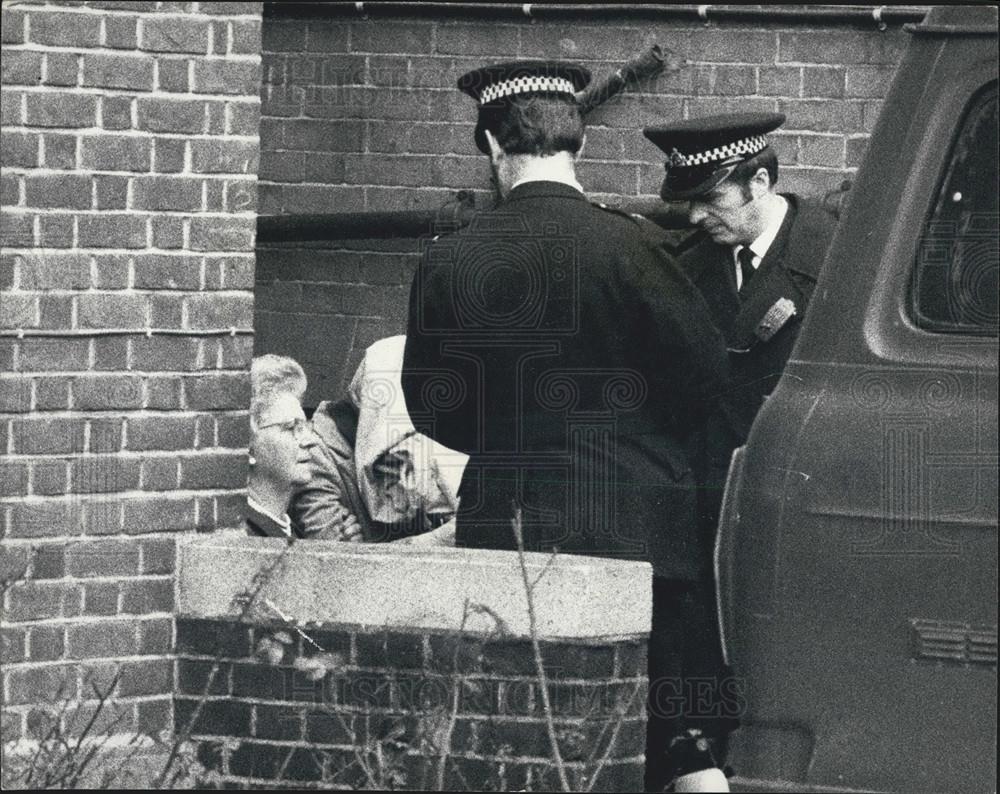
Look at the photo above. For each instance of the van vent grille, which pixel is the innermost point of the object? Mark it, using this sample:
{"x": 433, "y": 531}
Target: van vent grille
{"x": 958, "y": 643}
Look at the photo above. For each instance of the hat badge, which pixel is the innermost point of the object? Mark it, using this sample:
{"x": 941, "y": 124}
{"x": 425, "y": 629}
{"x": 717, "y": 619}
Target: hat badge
{"x": 675, "y": 159}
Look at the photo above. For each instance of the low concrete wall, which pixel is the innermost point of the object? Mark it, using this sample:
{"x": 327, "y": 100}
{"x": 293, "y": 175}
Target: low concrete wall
{"x": 346, "y": 666}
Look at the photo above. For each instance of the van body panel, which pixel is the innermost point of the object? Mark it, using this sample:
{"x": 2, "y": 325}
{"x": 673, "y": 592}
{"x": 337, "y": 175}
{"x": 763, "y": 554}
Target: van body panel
{"x": 857, "y": 554}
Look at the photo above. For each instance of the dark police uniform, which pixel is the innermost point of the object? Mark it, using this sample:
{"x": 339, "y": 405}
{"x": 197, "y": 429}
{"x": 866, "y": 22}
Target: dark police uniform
{"x": 760, "y": 324}
{"x": 787, "y": 272}
{"x": 550, "y": 342}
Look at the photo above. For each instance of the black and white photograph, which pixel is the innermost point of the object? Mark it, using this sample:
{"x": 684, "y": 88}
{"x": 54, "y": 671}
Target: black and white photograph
{"x": 459, "y": 396}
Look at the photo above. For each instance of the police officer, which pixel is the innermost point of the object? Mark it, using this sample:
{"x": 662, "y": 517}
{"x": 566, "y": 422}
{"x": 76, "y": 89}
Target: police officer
{"x": 756, "y": 266}
{"x": 551, "y": 342}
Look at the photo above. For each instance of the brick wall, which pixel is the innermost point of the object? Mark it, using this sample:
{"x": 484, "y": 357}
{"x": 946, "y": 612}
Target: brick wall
{"x": 362, "y": 114}
{"x": 272, "y": 722}
{"x": 130, "y": 148}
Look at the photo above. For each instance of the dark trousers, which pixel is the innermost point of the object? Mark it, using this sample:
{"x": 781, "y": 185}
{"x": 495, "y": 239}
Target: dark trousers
{"x": 689, "y": 685}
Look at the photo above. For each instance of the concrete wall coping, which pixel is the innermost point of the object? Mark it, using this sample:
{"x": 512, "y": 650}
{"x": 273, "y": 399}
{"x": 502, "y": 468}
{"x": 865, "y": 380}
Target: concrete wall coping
{"x": 396, "y": 587}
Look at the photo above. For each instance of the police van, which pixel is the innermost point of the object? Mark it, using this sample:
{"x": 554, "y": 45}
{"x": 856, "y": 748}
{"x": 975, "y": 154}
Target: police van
{"x": 857, "y": 551}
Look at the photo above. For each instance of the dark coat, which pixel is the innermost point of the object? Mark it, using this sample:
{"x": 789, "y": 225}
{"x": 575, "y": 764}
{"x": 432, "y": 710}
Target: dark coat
{"x": 552, "y": 343}
{"x": 789, "y": 270}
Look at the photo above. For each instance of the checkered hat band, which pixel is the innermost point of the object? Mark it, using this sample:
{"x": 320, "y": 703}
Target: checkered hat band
{"x": 525, "y": 85}
{"x": 750, "y": 145}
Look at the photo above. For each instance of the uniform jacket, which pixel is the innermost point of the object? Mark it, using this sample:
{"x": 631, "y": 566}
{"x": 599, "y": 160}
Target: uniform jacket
{"x": 789, "y": 270}
{"x": 551, "y": 342}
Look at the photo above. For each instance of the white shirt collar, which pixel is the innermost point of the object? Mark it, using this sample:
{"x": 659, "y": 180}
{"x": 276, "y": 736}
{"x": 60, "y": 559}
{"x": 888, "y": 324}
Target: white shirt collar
{"x": 763, "y": 242}
{"x": 285, "y": 522}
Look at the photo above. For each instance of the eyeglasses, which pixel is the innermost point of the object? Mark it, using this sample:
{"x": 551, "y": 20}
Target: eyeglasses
{"x": 298, "y": 427}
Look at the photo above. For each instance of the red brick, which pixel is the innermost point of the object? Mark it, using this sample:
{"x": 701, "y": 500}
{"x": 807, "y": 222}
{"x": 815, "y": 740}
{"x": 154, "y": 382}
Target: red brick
{"x": 159, "y": 555}
{"x": 103, "y": 516}
{"x": 235, "y": 352}
{"x": 222, "y": 234}
{"x": 836, "y": 47}
{"x": 141, "y": 597}
{"x": 41, "y": 600}
{"x": 825, "y": 82}
{"x": 51, "y": 394}
{"x": 822, "y": 115}
{"x": 13, "y": 26}
{"x": 159, "y": 514}
{"x": 116, "y": 112}
{"x": 12, "y": 646}
{"x": 114, "y": 717}
{"x": 214, "y": 471}
{"x": 224, "y": 157}
{"x": 730, "y": 46}
{"x": 13, "y": 479}
{"x": 104, "y": 474}
{"x": 49, "y": 270}
{"x": 118, "y": 71}
{"x": 62, "y": 109}
{"x": 65, "y": 29}
{"x": 105, "y": 435}
{"x": 21, "y": 67}
{"x": 227, "y": 77}
{"x": 156, "y": 636}
{"x": 102, "y": 639}
{"x": 283, "y": 36}
{"x": 148, "y": 677}
{"x": 322, "y": 136}
{"x": 245, "y": 36}
{"x": 16, "y": 230}
{"x": 220, "y": 311}
{"x": 243, "y": 118}
{"x": 48, "y": 478}
{"x": 56, "y": 231}
{"x": 371, "y": 36}
{"x": 42, "y": 436}
{"x": 100, "y": 598}
{"x": 822, "y": 150}
{"x": 103, "y": 558}
{"x": 111, "y": 353}
{"x": 15, "y": 394}
{"x": 168, "y": 232}
{"x": 112, "y": 192}
{"x": 166, "y": 311}
{"x": 62, "y": 68}
{"x": 120, "y": 32}
{"x": 216, "y": 118}
{"x": 217, "y": 392}
{"x": 60, "y": 151}
{"x": 171, "y": 115}
{"x": 36, "y": 518}
{"x": 59, "y": 191}
{"x": 169, "y": 353}
{"x": 116, "y": 153}
{"x": 167, "y": 193}
{"x": 163, "y": 393}
{"x": 111, "y": 310}
{"x": 20, "y": 149}
{"x": 160, "y": 474}
{"x": 238, "y": 272}
{"x": 48, "y": 561}
{"x": 234, "y": 431}
{"x": 161, "y": 432}
{"x": 19, "y": 311}
{"x": 175, "y": 35}
{"x": 46, "y": 643}
{"x": 172, "y": 75}
{"x": 25, "y": 683}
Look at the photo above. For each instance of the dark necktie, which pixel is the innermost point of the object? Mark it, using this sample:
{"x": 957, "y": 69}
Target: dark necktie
{"x": 745, "y": 258}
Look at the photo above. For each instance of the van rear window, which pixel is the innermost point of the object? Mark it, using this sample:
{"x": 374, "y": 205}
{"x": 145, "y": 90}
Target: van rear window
{"x": 955, "y": 288}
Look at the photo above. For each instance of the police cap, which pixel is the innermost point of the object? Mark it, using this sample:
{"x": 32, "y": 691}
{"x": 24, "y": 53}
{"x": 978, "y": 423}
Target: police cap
{"x": 493, "y": 86}
{"x": 703, "y": 152}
